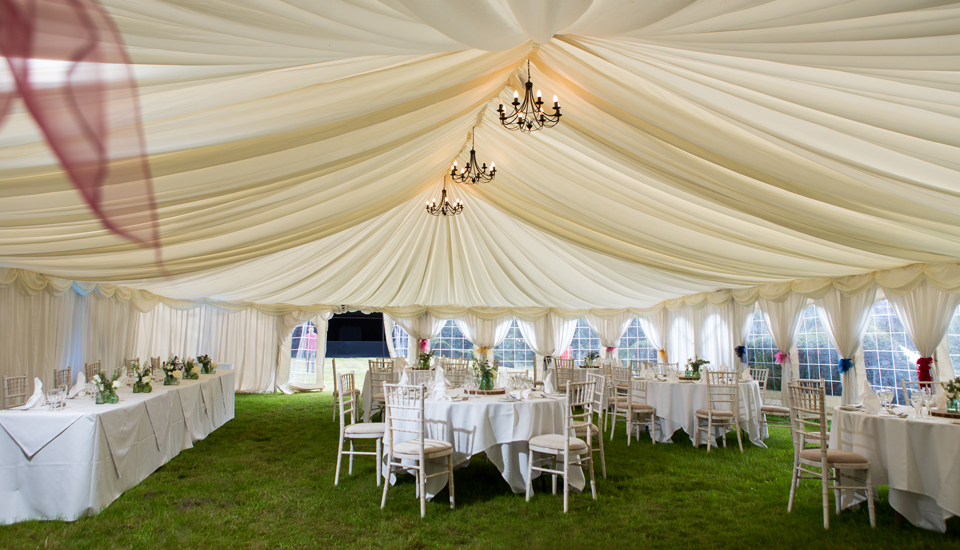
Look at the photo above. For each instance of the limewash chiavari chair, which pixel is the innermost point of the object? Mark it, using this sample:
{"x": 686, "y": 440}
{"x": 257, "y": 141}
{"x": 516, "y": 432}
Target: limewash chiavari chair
{"x": 646, "y": 414}
{"x": 760, "y": 375}
{"x": 336, "y": 391}
{"x": 807, "y": 411}
{"x": 626, "y": 404}
{"x": 355, "y": 430}
{"x": 128, "y": 366}
{"x": 457, "y": 371}
{"x": 418, "y": 377}
{"x": 381, "y": 372}
{"x": 587, "y": 430}
{"x": 723, "y": 398}
{"x": 565, "y": 370}
{"x": 154, "y": 363}
{"x": 91, "y": 369}
{"x": 61, "y": 377}
{"x": 579, "y": 397}
{"x": 404, "y": 406}
{"x": 14, "y": 391}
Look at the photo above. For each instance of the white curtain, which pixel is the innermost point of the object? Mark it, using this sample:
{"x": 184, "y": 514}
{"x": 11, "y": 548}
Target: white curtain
{"x": 609, "y": 329}
{"x": 107, "y": 328}
{"x": 485, "y": 334}
{"x": 926, "y": 313}
{"x": 845, "y": 319}
{"x": 288, "y": 382}
{"x": 782, "y": 316}
{"x": 681, "y": 335}
{"x": 36, "y": 332}
{"x": 655, "y": 329}
{"x": 548, "y": 337}
{"x": 717, "y": 335}
{"x": 422, "y": 327}
{"x": 743, "y": 322}
{"x": 388, "y": 331}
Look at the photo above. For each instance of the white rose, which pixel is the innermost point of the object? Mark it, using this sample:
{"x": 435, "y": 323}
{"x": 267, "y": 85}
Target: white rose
{"x": 177, "y": 374}
{"x": 96, "y": 377}
{"x": 214, "y": 365}
{"x": 116, "y": 384}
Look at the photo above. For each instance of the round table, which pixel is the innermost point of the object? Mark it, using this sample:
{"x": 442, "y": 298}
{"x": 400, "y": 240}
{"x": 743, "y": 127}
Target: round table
{"x": 500, "y": 429}
{"x": 916, "y": 457}
{"x": 677, "y": 403}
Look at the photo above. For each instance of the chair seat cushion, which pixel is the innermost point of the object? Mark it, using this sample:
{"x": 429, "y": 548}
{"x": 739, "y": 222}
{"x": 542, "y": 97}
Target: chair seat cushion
{"x": 356, "y": 391}
{"x": 431, "y": 447}
{"x": 555, "y": 442}
{"x": 834, "y": 456}
{"x": 366, "y": 429}
{"x": 378, "y": 397}
{"x": 622, "y": 404}
{"x": 774, "y": 409}
{"x": 717, "y": 413}
{"x": 581, "y": 427}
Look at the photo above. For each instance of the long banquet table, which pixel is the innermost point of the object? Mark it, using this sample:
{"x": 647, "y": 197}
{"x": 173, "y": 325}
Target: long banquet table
{"x": 73, "y": 462}
{"x": 916, "y": 457}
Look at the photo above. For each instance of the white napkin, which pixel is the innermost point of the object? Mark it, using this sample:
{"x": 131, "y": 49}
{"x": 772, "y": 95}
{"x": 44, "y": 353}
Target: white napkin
{"x": 36, "y": 400}
{"x": 127, "y": 381}
{"x": 399, "y": 363}
{"x": 548, "y": 383}
{"x": 439, "y": 392}
{"x": 503, "y": 381}
{"x": 404, "y": 379}
{"x": 80, "y": 388}
{"x": 871, "y": 403}
{"x": 526, "y": 394}
{"x": 649, "y": 374}
{"x": 745, "y": 375}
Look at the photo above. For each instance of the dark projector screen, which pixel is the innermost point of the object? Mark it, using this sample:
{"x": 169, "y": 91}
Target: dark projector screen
{"x": 356, "y": 334}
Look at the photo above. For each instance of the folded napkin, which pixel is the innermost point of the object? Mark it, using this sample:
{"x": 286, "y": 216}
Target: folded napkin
{"x": 36, "y": 400}
{"x": 649, "y": 374}
{"x": 503, "y": 381}
{"x": 745, "y": 375}
{"x": 871, "y": 403}
{"x": 439, "y": 392}
{"x": 404, "y": 379}
{"x": 127, "y": 381}
{"x": 80, "y": 388}
{"x": 526, "y": 394}
{"x": 941, "y": 398}
{"x": 549, "y": 382}
{"x": 399, "y": 363}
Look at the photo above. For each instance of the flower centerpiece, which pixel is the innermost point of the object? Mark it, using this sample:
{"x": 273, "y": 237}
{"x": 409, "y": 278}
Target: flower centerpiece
{"x": 424, "y": 356}
{"x": 141, "y": 378}
{"x": 693, "y": 366}
{"x": 172, "y": 371}
{"x": 191, "y": 370}
{"x": 590, "y": 358}
{"x": 207, "y": 366}
{"x": 106, "y": 387}
{"x": 481, "y": 368}
{"x": 952, "y": 389}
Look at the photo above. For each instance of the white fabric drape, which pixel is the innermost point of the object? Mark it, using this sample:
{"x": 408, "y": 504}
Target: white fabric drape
{"x": 485, "y": 334}
{"x": 654, "y": 328}
{"x": 926, "y": 313}
{"x": 36, "y": 333}
{"x": 548, "y": 336}
{"x": 718, "y": 329}
{"x": 845, "y": 319}
{"x": 743, "y": 321}
{"x": 320, "y": 321}
{"x": 609, "y": 330}
{"x": 423, "y": 327}
{"x": 388, "y": 324}
{"x": 681, "y": 335}
{"x": 782, "y": 317}
{"x": 107, "y": 328}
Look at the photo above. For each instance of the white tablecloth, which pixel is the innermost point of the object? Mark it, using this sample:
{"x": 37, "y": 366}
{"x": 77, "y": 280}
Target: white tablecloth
{"x": 501, "y": 429}
{"x": 677, "y": 403}
{"x": 74, "y": 462}
{"x": 916, "y": 457}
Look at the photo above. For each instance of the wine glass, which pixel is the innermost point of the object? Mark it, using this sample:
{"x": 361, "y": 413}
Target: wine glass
{"x": 929, "y": 399}
{"x": 916, "y": 400}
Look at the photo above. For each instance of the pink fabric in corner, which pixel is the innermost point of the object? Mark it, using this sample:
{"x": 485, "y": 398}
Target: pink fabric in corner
{"x": 89, "y": 111}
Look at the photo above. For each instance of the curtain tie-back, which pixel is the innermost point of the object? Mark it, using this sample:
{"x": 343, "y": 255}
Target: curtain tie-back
{"x": 923, "y": 369}
{"x": 741, "y": 352}
{"x": 844, "y": 365}
{"x": 781, "y": 358}
{"x": 662, "y": 354}
{"x": 611, "y": 349}
{"x": 483, "y": 350}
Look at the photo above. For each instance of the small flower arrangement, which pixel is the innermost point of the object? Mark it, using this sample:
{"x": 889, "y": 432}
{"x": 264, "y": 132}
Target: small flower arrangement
{"x": 207, "y": 366}
{"x": 695, "y": 364}
{"x": 191, "y": 370}
{"x": 481, "y": 368}
{"x": 424, "y": 356}
{"x": 952, "y": 388}
{"x": 590, "y": 358}
{"x": 172, "y": 371}
{"x": 106, "y": 387}
{"x": 141, "y": 378}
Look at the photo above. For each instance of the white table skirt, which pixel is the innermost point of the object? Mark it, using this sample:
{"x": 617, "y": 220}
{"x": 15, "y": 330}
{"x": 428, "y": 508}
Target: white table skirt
{"x": 917, "y": 458}
{"x": 677, "y": 403}
{"x": 74, "y": 462}
{"x": 501, "y": 429}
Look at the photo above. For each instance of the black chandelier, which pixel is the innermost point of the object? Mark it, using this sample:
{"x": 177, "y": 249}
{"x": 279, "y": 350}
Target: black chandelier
{"x": 470, "y": 174}
{"x": 445, "y": 208}
{"x": 529, "y": 115}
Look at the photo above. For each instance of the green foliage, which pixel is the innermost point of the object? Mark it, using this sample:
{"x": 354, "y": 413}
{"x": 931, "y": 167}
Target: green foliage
{"x": 265, "y": 480}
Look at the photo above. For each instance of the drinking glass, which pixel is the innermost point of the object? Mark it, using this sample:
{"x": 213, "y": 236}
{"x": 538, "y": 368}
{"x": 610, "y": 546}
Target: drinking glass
{"x": 929, "y": 399}
{"x": 916, "y": 400}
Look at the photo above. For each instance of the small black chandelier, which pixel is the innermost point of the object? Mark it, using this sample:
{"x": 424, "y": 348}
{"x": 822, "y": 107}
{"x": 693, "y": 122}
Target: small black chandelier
{"x": 529, "y": 116}
{"x": 445, "y": 208}
{"x": 470, "y": 174}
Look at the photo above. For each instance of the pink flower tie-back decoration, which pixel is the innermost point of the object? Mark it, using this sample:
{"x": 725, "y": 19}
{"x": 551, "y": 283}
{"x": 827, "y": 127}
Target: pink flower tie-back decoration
{"x": 923, "y": 369}
{"x": 611, "y": 349}
{"x": 424, "y": 345}
{"x": 89, "y": 111}
{"x": 781, "y": 358}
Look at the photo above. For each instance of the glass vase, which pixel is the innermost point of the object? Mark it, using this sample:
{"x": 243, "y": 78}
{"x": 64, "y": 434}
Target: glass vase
{"x": 100, "y": 400}
{"x": 137, "y": 387}
{"x": 953, "y": 405}
{"x": 113, "y": 399}
{"x": 169, "y": 380}
{"x": 486, "y": 381}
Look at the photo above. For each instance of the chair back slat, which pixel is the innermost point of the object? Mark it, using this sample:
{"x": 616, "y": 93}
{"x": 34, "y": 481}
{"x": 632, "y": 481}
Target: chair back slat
{"x": 128, "y": 366}
{"x": 723, "y": 390}
{"x": 420, "y": 377}
{"x": 564, "y": 369}
{"x": 456, "y": 370}
{"x": 381, "y": 372}
{"x": 155, "y": 363}
{"x": 61, "y": 377}
{"x": 347, "y": 399}
{"x": 14, "y": 391}
{"x": 580, "y": 398}
{"x": 760, "y": 375}
{"x": 91, "y": 369}
{"x": 808, "y": 417}
{"x": 599, "y": 389}
{"x": 404, "y": 406}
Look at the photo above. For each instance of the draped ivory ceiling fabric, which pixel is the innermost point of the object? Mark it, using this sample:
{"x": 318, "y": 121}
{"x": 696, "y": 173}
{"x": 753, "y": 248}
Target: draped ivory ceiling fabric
{"x": 705, "y": 145}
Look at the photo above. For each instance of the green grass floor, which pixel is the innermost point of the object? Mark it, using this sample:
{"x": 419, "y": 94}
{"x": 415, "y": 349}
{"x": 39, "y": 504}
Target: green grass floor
{"x": 265, "y": 480}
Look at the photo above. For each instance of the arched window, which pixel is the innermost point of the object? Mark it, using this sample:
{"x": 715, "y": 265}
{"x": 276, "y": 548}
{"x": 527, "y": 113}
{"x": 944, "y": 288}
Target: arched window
{"x": 634, "y": 344}
{"x": 303, "y": 354}
{"x": 888, "y": 353}
{"x": 513, "y": 352}
{"x": 584, "y": 341}
{"x": 818, "y": 357}
{"x": 761, "y": 350}
{"x": 451, "y": 342}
